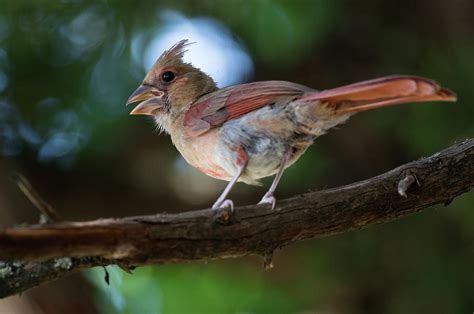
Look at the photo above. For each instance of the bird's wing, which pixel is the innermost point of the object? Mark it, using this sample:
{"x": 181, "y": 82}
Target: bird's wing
{"x": 214, "y": 109}
{"x": 381, "y": 92}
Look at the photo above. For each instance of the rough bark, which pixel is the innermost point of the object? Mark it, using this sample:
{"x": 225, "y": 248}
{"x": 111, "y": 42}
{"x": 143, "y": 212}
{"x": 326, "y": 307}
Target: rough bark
{"x": 39, "y": 253}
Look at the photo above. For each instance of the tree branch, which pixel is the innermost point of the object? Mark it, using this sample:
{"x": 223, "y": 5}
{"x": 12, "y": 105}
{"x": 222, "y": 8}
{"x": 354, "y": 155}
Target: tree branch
{"x": 51, "y": 251}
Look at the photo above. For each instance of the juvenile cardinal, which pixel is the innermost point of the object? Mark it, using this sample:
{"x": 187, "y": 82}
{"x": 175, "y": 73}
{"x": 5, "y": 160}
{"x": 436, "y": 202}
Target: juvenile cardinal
{"x": 251, "y": 131}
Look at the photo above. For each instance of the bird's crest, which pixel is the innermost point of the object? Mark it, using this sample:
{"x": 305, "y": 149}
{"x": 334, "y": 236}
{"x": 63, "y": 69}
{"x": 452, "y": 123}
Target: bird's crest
{"x": 175, "y": 53}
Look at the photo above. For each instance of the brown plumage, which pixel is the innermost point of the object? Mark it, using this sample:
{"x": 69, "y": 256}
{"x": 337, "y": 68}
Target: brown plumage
{"x": 250, "y": 131}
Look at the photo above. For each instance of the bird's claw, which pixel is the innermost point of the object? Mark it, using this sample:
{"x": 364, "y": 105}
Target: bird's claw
{"x": 224, "y": 204}
{"x": 268, "y": 199}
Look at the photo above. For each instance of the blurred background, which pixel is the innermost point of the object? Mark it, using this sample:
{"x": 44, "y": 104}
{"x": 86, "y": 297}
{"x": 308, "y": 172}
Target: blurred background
{"x": 67, "y": 68}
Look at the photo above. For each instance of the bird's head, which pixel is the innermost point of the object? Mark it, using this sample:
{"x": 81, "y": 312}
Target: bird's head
{"x": 170, "y": 86}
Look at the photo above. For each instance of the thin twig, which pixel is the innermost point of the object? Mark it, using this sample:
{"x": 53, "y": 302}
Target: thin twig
{"x": 48, "y": 214}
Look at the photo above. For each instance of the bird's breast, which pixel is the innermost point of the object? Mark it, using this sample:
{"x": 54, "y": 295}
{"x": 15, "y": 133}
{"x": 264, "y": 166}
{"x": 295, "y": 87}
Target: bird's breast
{"x": 200, "y": 152}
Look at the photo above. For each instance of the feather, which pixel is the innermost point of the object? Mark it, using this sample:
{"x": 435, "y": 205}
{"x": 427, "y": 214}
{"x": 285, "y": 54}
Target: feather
{"x": 176, "y": 52}
{"x": 230, "y": 103}
{"x": 382, "y": 92}
{"x": 216, "y": 108}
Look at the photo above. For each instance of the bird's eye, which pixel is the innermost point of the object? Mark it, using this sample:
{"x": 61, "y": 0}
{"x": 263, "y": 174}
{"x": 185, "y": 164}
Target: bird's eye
{"x": 167, "y": 76}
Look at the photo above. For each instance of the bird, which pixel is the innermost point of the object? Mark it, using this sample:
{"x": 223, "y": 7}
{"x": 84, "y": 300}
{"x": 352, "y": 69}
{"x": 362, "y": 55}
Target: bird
{"x": 246, "y": 132}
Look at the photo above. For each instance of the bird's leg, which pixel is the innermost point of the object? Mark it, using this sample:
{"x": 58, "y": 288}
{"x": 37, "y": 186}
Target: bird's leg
{"x": 268, "y": 198}
{"x": 222, "y": 202}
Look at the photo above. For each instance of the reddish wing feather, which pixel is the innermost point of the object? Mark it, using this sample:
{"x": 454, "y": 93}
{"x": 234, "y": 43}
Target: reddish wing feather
{"x": 229, "y": 103}
{"x": 216, "y": 108}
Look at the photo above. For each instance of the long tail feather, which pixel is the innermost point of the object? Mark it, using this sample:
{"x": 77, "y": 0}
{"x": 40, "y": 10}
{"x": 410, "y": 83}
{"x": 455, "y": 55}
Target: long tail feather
{"x": 382, "y": 92}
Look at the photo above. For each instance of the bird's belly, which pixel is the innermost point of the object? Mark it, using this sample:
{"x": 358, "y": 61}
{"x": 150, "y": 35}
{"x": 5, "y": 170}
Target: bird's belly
{"x": 265, "y": 156}
{"x": 217, "y": 155}
{"x": 266, "y": 137}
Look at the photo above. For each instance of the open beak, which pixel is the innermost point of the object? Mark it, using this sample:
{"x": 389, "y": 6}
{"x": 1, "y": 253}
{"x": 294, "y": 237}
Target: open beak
{"x": 150, "y": 99}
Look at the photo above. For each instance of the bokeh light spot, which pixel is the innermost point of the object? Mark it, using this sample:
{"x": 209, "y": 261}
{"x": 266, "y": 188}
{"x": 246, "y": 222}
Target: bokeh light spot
{"x": 215, "y": 51}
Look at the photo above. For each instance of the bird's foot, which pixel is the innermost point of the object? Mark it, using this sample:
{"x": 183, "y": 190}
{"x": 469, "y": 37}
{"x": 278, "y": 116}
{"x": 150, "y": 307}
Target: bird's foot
{"x": 223, "y": 205}
{"x": 268, "y": 198}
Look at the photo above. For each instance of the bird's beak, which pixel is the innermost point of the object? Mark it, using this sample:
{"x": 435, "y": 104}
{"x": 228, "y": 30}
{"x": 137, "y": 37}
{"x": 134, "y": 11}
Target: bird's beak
{"x": 150, "y": 97}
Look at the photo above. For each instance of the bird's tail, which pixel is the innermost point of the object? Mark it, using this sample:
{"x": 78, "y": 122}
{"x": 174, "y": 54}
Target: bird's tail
{"x": 381, "y": 92}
